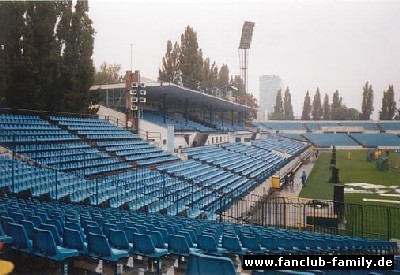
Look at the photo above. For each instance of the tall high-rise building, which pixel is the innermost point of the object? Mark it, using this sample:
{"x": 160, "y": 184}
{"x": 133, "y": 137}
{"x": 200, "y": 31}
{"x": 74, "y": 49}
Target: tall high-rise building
{"x": 269, "y": 87}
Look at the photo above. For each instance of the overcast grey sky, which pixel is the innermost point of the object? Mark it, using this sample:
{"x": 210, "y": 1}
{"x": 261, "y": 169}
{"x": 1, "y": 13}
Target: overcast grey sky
{"x": 326, "y": 44}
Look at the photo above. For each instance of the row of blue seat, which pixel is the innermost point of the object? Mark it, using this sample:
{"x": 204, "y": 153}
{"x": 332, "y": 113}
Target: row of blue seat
{"x": 111, "y": 234}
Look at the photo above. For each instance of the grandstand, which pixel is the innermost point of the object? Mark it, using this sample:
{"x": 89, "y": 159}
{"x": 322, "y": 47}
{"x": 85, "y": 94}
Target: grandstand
{"x": 82, "y": 188}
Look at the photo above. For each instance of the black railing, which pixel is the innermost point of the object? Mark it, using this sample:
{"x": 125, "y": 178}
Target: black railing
{"x": 356, "y": 220}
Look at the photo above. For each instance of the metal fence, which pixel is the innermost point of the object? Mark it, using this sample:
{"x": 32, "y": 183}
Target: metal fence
{"x": 356, "y": 220}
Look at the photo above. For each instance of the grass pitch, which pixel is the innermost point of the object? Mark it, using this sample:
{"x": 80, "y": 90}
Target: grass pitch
{"x": 354, "y": 170}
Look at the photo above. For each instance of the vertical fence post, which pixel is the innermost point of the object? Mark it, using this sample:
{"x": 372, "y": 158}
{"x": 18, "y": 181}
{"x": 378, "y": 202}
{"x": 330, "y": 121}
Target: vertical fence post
{"x": 389, "y": 223}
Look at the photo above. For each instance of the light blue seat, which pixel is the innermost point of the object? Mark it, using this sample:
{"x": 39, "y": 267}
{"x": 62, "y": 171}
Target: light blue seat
{"x": 44, "y": 246}
{"x": 200, "y": 264}
{"x": 99, "y": 247}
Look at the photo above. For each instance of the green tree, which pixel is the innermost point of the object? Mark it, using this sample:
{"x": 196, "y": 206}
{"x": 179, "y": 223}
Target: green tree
{"x": 306, "y": 107}
{"x": 326, "y": 108}
{"x": 170, "y": 71}
{"x": 389, "y": 108}
{"x": 279, "y": 112}
{"x": 108, "y": 74}
{"x": 336, "y": 107}
{"x": 317, "y": 106}
{"x": 191, "y": 59}
{"x": 79, "y": 69}
{"x": 287, "y": 105}
{"x": 368, "y": 102}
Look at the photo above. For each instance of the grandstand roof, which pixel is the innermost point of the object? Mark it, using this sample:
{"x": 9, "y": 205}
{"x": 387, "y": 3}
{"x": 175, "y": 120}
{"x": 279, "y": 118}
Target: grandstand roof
{"x": 176, "y": 93}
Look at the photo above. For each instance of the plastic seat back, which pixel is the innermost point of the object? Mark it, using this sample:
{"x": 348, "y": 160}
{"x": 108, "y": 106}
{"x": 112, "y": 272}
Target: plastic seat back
{"x": 251, "y": 243}
{"x": 157, "y": 239}
{"x": 231, "y": 243}
{"x": 94, "y": 230}
{"x": 98, "y": 245}
{"x": 178, "y": 244}
{"x": 73, "y": 239}
{"x": 28, "y": 225}
{"x": 207, "y": 243}
{"x": 53, "y": 230}
{"x": 19, "y": 236}
{"x": 129, "y": 232}
{"x": 43, "y": 242}
{"x": 144, "y": 244}
{"x": 118, "y": 239}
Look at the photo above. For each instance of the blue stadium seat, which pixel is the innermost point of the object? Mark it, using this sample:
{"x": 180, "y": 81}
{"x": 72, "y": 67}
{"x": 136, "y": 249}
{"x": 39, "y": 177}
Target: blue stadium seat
{"x": 118, "y": 240}
{"x": 73, "y": 239}
{"x": 44, "y": 246}
{"x": 144, "y": 246}
{"x": 178, "y": 245}
{"x": 208, "y": 244}
{"x": 232, "y": 245}
{"x": 19, "y": 238}
{"x": 200, "y": 264}
{"x": 4, "y": 238}
{"x": 99, "y": 247}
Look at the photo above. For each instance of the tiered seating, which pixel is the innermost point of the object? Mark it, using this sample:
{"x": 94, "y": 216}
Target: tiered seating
{"x": 390, "y": 125}
{"x": 121, "y": 143}
{"x": 280, "y": 144}
{"x": 327, "y": 140}
{"x": 29, "y": 129}
{"x": 218, "y": 187}
{"x": 180, "y": 124}
{"x": 314, "y": 126}
{"x": 112, "y": 234}
{"x": 281, "y": 126}
{"x": 369, "y": 126}
{"x": 19, "y": 177}
{"x": 375, "y": 140}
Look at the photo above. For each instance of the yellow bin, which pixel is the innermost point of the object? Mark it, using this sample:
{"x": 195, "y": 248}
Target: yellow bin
{"x": 276, "y": 182}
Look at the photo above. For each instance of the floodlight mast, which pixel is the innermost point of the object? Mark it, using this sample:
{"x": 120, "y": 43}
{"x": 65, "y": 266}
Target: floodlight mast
{"x": 244, "y": 46}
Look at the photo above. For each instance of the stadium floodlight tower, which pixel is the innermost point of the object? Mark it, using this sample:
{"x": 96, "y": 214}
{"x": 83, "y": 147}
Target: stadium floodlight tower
{"x": 244, "y": 47}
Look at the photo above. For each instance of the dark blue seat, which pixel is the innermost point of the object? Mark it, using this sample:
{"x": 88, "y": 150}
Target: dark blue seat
{"x": 252, "y": 244}
{"x": 73, "y": 239}
{"x": 178, "y": 245}
{"x": 118, "y": 240}
{"x": 271, "y": 245}
{"x": 200, "y": 264}
{"x": 54, "y": 232}
{"x": 5, "y": 238}
{"x": 57, "y": 224}
{"x": 129, "y": 232}
{"x": 144, "y": 246}
{"x": 157, "y": 239}
{"x": 4, "y": 224}
{"x": 232, "y": 245}
{"x": 44, "y": 246}
{"x": 107, "y": 227}
{"x": 17, "y": 217}
{"x": 94, "y": 230}
{"x": 99, "y": 247}
{"x": 29, "y": 226}
{"x": 208, "y": 245}
{"x": 20, "y": 238}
